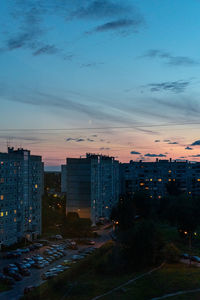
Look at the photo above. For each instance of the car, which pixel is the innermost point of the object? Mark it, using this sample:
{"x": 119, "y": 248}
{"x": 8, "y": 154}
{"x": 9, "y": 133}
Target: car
{"x": 28, "y": 289}
{"x": 24, "y": 272}
{"x": 17, "y": 277}
{"x": 32, "y": 247}
{"x": 6, "y": 279}
{"x": 185, "y": 256}
{"x": 48, "y": 275}
{"x": 25, "y": 250}
{"x": 195, "y": 258}
{"x": 38, "y": 245}
{"x": 58, "y": 237}
{"x": 13, "y": 267}
{"x": 39, "y": 265}
{"x": 16, "y": 254}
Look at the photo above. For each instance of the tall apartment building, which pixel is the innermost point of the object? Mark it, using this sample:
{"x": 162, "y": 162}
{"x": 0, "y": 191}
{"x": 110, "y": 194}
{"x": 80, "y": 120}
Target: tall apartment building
{"x": 92, "y": 185}
{"x": 153, "y": 176}
{"x": 21, "y": 188}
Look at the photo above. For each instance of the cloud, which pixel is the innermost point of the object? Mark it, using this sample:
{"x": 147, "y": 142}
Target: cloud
{"x": 118, "y": 24}
{"x": 173, "y": 143}
{"x": 155, "y": 155}
{"x": 91, "y": 65}
{"x": 178, "y": 86}
{"x": 195, "y": 155}
{"x": 47, "y": 49}
{"x": 171, "y": 59}
{"x": 78, "y": 140}
{"x": 166, "y": 141}
{"x": 157, "y": 141}
{"x": 135, "y": 152}
{"x": 188, "y": 148}
{"x": 101, "y": 9}
{"x": 196, "y": 143}
{"x": 104, "y": 148}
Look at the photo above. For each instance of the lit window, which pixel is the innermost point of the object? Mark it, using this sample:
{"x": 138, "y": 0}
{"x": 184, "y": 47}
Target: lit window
{"x": 169, "y": 171}
{"x": 15, "y": 219}
{"x": 159, "y": 197}
{"x": 29, "y": 221}
{"x": 1, "y": 162}
{"x": 36, "y": 186}
{"x": 169, "y": 179}
{"x": 159, "y": 179}
{"x": 189, "y": 193}
{"x": 6, "y": 213}
{"x": 151, "y": 179}
{"x": 15, "y": 211}
{"x": 198, "y": 179}
{"x": 2, "y": 197}
{"x": 1, "y": 214}
{"x": 151, "y": 196}
{"x": 141, "y": 183}
{"x": 174, "y": 179}
{"x": 146, "y": 188}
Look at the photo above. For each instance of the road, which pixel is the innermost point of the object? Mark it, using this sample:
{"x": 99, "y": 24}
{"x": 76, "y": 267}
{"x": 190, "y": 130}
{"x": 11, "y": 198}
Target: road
{"x": 35, "y": 278}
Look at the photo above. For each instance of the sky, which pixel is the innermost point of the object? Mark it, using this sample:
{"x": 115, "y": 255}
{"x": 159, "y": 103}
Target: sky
{"x": 119, "y": 78}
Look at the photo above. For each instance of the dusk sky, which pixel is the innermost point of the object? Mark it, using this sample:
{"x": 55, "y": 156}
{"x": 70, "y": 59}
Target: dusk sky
{"x": 114, "y": 77}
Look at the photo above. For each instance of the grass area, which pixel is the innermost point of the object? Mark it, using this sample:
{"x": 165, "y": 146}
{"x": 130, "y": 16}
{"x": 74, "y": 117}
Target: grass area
{"x": 169, "y": 279}
{"x": 84, "y": 282}
{"x": 81, "y": 281}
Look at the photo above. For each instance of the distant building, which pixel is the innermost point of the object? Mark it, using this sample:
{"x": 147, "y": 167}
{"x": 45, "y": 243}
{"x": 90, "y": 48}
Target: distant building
{"x": 153, "y": 177}
{"x": 63, "y": 179}
{"x": 21, "y": 188}
{"x": 92, "y": 185}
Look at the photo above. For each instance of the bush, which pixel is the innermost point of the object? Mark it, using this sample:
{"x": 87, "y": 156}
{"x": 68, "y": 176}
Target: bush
{"x": 171, "y": 253}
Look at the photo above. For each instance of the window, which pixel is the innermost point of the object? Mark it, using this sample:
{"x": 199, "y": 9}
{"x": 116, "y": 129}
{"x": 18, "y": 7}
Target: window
{"x": 15, "y": 211}
{"x": 1, "y": 214}
{"x": 2, "y": 197}
{"x": 36, "y": 186}
{"x": 159, "y": 179}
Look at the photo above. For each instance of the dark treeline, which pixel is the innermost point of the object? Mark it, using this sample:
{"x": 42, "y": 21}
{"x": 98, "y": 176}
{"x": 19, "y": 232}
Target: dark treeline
{"x": 138, "y": 229}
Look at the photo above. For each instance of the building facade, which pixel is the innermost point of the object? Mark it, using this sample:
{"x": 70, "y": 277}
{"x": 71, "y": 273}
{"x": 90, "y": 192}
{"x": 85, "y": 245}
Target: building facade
{"x": 21, "y": 189}
{"x": 92, "y": 185}
{"x": 153, "y": 177}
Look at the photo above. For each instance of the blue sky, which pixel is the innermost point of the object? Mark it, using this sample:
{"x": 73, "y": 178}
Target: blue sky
{"x": 121, "y": 74}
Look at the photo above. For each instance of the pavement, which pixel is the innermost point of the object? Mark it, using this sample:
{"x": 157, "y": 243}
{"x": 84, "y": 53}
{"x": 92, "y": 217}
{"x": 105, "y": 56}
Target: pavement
{"x": 35, "y": 278}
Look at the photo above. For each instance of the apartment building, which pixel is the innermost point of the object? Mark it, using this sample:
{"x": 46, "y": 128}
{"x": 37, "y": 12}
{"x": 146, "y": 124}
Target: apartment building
{"x": 21, "y": 189}
{"x": 153, "y": 177}
{"x": 92, "y": 185}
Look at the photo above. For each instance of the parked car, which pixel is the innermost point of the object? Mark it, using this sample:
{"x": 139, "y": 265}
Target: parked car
{"x": 28, "y": 289}
{"x": 185, "y": 256}
{"x": 195, "y": 258}
{"x": 6, "y": 279}
{"x": 24, "y": 272}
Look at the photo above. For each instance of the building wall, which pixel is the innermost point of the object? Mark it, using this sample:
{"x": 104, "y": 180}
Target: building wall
{"x": 21, "y": 188}
{"x": 92, "y": 186}
{"x": 153, "y": 177}
{"x": 79, "y": 186}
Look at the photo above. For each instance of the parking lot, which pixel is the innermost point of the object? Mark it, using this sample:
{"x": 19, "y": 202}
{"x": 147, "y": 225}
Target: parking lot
{"x": 42, "y": 263}
{"x": 43, "y": 270}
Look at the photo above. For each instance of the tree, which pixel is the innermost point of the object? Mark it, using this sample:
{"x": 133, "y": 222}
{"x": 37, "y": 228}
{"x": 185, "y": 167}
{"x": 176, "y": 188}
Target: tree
{"x": 124, "y": 213}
